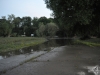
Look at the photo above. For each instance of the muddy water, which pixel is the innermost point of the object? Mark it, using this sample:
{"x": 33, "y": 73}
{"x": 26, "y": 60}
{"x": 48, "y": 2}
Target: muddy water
{"x": 42, "y": 47}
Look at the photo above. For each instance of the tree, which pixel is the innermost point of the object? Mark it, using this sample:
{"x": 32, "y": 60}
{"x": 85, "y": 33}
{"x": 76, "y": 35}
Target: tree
{"x": 69, "y": 12}
{"x": 35, "y": 22}
{"x": 37, "y": 33}
{"x": 26, "y": 26}
{"x": 44, "y": 20}
{"x": 5, "y": 28}
{"x": 96, "y": 18}
{"x": 51, "y": 29}
{"x": 41, "y": 30}
{"x": 11, "y": 23}
{"x": 17, "y": 23}
{"x": 50, "y": 20}
{"x": 27, "y": 21}
{"x": 29, "y": 30}
{"x": 11, "y": 18}
{"x": 39, "y": 25}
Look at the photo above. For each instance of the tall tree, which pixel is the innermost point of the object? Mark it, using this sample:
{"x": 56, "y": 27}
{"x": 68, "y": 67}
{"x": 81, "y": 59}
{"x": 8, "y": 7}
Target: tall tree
{"x": 26, "y": 22}
{"x": 96, "y": 18}
{"x": 51, "y": 29}
{"x": 11, "y": 25}
{"x": 69, "y": 12}
{"x": 5, "y": 28}
{"x": 11, "y": 18}
{"x": 41, "y": 30}
{"x": 44, "y": 20}
{"x": 17, "y": 23}
{"x": 35, "y": 22}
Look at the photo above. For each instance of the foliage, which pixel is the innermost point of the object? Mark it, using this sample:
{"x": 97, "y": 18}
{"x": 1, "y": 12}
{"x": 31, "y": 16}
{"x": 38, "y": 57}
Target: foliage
{"x": 51, "y": 29}
{"x": 47, "y": 30}
{"x": 96, "y": 18}
{"x": 37, "y": 33}
{"x": 17, "y": 23}
{"x": 26, "y": 21}
{"x": 29, "y": 30}
{"x": 5, "y": 28}
{"x": 17, "y": 26}
{"x": 44, "y": 20}
{"x": 35, "y": 22}
{"x": 11, "y": 18}
{"x": 70, "y": 12}
{"x": 41, "y": 29}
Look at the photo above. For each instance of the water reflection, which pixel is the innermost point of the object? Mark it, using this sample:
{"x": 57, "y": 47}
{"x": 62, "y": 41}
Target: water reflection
{"x": 42, "y": 47}
{"x": 93, "y": 69}
{"x": 1, "y": 57}
{"x": 81, "y": 73}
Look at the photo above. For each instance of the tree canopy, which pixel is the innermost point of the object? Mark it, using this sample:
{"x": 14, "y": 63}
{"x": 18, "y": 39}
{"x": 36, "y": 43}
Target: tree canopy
{"x": 71, "y": 11}
{"x": 17, "y": 26}
{"x": 68, "y": 13}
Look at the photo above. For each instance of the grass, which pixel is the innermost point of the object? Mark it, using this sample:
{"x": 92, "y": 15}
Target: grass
{"x": 90, "y": 42}
{"x": 15, "y": 43}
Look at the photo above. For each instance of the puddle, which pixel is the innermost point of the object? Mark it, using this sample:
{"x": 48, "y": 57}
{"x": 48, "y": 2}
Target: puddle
{"x": 81, "y": 73}
{"x": 77, "y": 60}
{"x": 93, "y": 69}
{"x": 1, "y": 57}
{"x": 90, "y": 70}
{"x": 42, "y": 47}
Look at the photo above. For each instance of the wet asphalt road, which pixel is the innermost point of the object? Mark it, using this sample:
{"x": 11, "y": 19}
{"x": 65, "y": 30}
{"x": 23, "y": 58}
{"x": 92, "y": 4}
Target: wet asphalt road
{"x": 64, "y": 60}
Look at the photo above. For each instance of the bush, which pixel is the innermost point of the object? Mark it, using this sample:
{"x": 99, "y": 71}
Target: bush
{"x": 13, "y": 34}
{"x": 85, "y": 37}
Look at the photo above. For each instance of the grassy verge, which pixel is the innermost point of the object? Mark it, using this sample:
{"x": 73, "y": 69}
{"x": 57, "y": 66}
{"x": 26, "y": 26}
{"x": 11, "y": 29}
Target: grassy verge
{"x": 14, "y": 43}
{"x": 90, "y": 42}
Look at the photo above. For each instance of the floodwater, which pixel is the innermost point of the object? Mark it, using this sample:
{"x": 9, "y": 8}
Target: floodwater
{"x": 64, "y": 58}
{"x": 42, "y": 47}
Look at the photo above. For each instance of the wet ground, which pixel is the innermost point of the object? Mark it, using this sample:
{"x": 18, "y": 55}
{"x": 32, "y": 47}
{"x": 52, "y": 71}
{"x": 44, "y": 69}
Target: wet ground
{"x": 42, "y": 47}
{"x": 63, "y": 59}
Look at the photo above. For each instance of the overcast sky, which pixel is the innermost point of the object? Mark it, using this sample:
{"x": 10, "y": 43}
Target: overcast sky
{"x": 32, "y": 8}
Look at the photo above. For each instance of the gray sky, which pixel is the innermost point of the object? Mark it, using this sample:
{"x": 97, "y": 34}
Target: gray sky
{"x": 32, "y": 8}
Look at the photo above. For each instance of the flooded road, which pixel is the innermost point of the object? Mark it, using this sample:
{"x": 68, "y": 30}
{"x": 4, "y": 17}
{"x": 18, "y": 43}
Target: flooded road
{"x": 42, "y": 47}
{"x": 64, "y": 59}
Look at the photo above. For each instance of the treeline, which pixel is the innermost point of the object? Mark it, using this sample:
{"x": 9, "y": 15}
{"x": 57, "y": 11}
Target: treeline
{"x": 25, "y": 26}
{"x": 71, "y": 18}
{"x": 76, "y": 17}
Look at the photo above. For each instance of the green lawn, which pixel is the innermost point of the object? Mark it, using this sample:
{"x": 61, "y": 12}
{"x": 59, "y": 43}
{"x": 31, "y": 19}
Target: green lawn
{"x": 15, "y": 43}
{"x": 90, "y": 42}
